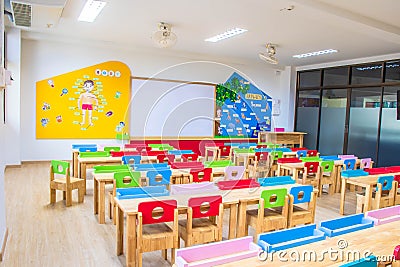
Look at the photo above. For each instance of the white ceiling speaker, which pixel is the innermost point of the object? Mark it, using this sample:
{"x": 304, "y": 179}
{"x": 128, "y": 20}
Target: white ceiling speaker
{"x": 164, "y": 37}
{"x": 270, "y": 55}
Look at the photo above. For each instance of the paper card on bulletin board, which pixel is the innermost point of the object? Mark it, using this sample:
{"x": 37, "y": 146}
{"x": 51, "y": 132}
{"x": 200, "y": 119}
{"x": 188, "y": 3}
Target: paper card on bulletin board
{"x": 242, "y": 109}
{"x": 92, "y": 102}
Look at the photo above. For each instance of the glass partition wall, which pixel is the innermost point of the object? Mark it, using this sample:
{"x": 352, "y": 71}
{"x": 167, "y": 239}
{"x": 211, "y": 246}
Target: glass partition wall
{"x": 351, "y": 110}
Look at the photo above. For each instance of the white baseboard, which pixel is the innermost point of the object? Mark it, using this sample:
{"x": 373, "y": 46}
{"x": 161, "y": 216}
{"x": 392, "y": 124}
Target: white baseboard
{"x": 3, "y": 246}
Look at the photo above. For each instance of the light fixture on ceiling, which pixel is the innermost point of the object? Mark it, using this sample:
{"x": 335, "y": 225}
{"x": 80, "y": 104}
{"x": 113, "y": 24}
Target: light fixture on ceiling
{"x": 225, "y": 35}
{"x": 316, "y": 53}
{"x": 270, "y": 55}
{"x": 164, "y": 37}
{"x": 91, "y": 10}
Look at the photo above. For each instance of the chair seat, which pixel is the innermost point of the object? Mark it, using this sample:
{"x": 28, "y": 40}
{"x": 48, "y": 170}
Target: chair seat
{"x": 273, "y": 219}
{"x": 153, "y": 230}
{"x": 60, "y": 183}
{"x": 199, "y": 223}
{"x": 156, "y": 237}
{"x": 63, "y": 181}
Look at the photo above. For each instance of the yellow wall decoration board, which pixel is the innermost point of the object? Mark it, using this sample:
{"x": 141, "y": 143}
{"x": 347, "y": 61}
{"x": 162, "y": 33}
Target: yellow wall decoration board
{"x": 92, "y": 102}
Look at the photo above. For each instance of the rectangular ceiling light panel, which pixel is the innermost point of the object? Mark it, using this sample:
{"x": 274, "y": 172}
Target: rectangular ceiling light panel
{"x": 225, "y": 35}
{"x": 317, "y": 53}
{"x": 91, "y": 10}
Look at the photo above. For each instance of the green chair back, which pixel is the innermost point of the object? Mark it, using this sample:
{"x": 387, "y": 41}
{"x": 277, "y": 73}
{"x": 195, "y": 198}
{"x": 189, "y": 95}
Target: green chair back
{"x": 276, "y": 154}
{"x": 120, "y": 176}
{"x": 60, "y": 167}
{"x": 218, "y": 163}
{"x": 112, "y": 148}
{"x": 273, "y": 145}
{"x": 243, "y": 150}
{"x": 274, "y": 198}
{"x": 327, "y": 166}
{"x": 94, "y": 154}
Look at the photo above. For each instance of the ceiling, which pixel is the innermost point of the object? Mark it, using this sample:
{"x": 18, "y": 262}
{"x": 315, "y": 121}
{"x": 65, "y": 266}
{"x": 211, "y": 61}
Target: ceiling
{"x": 357, "y": 28}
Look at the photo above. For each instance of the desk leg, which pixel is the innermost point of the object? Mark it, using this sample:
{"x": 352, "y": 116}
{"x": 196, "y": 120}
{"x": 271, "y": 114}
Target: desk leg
{"x": 368, "y": 197}
{"x": 95, "y": 196}
{"x": 279, "y": 170}
{"x": 241, "y": 225}
{"x": 131, "y": 240}
{"x": 120, "y": 231}
{"x": 74, "y": 164}
{"x": 232, "y": 221}
{"x": 342, "y": 196}
{"x": 101, "y": 198}
{"x": 338, "y": 179}
{"x": 295, "y": 174}
{"x": 82, "y": 171}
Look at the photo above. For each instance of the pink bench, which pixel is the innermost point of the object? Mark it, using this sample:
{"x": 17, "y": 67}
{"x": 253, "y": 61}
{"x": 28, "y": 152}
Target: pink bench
{"x": 385, "y": 215}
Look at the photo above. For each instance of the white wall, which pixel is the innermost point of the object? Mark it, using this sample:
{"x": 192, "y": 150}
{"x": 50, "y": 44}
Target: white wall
{"x": 2, "y": 168}
{"x": 43, "y": 59}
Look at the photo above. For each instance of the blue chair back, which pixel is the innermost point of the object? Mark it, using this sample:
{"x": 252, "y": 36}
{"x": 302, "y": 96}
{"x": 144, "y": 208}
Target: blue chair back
{"x": 77, "y": 146}
{"x": 87, "y": 149}
{"x": 134, "y": 159}
{"x": 301, "y": 153}
{"x": 349, "y": 164}
{"x": 155, "y": 179}
{"x": 301, "y": 194}
{"x": 386, "y": 182}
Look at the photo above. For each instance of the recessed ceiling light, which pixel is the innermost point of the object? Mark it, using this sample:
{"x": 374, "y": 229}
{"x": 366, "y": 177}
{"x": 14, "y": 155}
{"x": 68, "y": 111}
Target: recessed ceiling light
{"x": 317, "y": 53}
{"x": 91, "y": 10}
{"x": 225, "y": 35}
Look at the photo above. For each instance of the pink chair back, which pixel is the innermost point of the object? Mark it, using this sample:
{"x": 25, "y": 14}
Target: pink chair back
{"x": 365, "y": 163}
{"x": 234, "y": 172}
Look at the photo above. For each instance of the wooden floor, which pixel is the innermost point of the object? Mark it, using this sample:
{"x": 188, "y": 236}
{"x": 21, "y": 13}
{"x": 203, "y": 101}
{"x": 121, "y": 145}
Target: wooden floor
{"x": 53, "y": 235}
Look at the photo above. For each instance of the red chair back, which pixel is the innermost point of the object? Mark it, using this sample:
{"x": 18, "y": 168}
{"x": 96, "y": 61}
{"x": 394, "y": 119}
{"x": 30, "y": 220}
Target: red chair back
{"x": 311, "y": 167}
{"x": 294, "y": 149}
{"x": 166, "y": 158}
{"x": 260, "y": 156}
{"x": 212, "y": 208}
{"x": 189, "y": 157}
{"x": 397, "y": 178}
{"x": 117, "y": 153}
{"x": 147, "y": 208}
{"x": 289, "y": 160}
{"x": 142, "y": 148}
{"x": 312, "y": 153}
{"x": 225, "y": 151}
{"x": 396, "y": 253}
{"x": 131, "y": 153}
{"x": 206, "y": 173}
{"x": 152, "y": 153}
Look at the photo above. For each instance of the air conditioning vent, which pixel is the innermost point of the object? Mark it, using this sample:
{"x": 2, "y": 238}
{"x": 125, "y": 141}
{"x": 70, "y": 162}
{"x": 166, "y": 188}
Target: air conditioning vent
{"x": 22, "y": 14}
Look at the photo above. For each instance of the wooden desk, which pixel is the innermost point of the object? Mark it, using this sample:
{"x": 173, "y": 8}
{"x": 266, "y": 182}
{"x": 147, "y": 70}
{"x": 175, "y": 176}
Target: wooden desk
{"x": 84, "y": 163}
{"x": 379, "y": 240}
{"x": 230, "y": 200}
{"x": 284, "y": 138}
{"x": 367, "y": 182}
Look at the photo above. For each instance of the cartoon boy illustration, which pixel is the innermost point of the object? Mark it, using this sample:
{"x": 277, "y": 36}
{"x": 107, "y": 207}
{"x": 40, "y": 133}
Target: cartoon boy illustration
{"x": 87, "y": 100}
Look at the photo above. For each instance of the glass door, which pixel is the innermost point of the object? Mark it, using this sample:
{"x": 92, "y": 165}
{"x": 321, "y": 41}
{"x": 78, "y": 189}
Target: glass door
{"x": 333, "y": 120}
{"x": 363, "y": 122}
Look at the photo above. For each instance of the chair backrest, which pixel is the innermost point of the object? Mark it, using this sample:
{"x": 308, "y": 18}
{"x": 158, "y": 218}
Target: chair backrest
{"x": 274, "y": 198}
{"x": 288, "y": 160}
{"x": 159, "y": 177}
{"x": 396, "y": 253}
{"x": 205, "y": 206}
{"x": 234, "y": 172}
{"x": 295, "y": 149}
{"x": 397, "y": 178}
{"x": 301, "y": 194}
{"x": 311, "y": 167}
{"x": 117, "y": 153}
{"x": 60, "y": 167}
{"x": 121, "y": 176}
{"x": 112, "y": 148}
{"x": 301, "y": 153}
{"x": 87, "y": 149}
{"x": 346, "y": 156}
{"x": 131, "y": 159}
{"x": 312, "y": 153}
{"x": 94, "y": 154}
{"x": 77, "y": 146}
{"x": 365, "y": 163}
{"x": 187, "y": 165}
{"x": 327, "y": 166}
{"x": 143, "y": 148}
{"x": 189, "y": 157}
{"x": 275, "y": 155}
{"x": 386, "y": 182}
{"x": 225, "y": 151}
{"x": 261, "y": 156}
{"x": 165, "y": 158}
{"x": 203, "y": 175}
{"x": 349, "y": 164}
{"x": 168, "y": 207}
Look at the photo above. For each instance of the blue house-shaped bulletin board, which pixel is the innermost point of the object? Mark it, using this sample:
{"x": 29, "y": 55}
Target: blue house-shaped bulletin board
{"x": 242, "y": 110}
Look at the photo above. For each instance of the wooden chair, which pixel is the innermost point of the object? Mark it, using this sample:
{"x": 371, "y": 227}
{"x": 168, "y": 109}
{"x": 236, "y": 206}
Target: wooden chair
{"x": 301, "y": 153}
{"x": 124, "y": 179}
{"x": 312, "y": 153}
{"x": 274, "y": 156}
{"x": 159, "y": 177}
{"x": 261, "y": 166}
{"x": 349, "y": 164}
{"x": 201, "y": 226}
{"x": 272, "y": 212}
{"x": 310, "y": 175}
{"x": 154, "y": 231}
{"x": 198, "y": 176}
{"x": 383, "y": 196}
{"x": 64, "y": 183}
{"x": 224, "y": 153}
{"x": 302, "y": 203}
{"x": 132, "y": 159}
{"x": 365, "y": 163}
{"x": 397, "y": 200}
{"x": 327, "y": 176}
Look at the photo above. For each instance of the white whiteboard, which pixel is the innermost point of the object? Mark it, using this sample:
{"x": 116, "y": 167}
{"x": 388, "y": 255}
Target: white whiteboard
{"x": 170, "y": 108}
